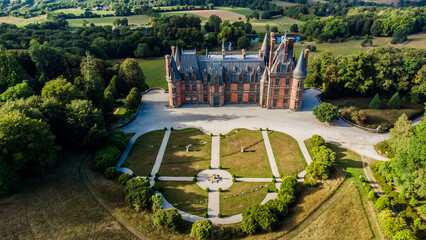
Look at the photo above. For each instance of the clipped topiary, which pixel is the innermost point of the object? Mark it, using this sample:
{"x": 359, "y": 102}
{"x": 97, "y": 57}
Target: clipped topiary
{"x": 202, "y": 229}
{"x": 110, "y": 172}
{"x": 375, "y": 102}
{"x": 395, "y": 102}
{"x": 124, "y": 178}
{"x": 317, "y": 140}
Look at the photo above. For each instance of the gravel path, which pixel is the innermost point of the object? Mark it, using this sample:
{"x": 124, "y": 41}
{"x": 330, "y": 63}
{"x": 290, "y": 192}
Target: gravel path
{"x": 270, "y": 153}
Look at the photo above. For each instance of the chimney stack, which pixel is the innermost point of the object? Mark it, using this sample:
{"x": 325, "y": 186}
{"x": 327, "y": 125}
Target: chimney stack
{"x": 291, "y": 41}
{"x": 173, "y": 51}
{"x": 260, "y": 54}
{"x": 168, "y": 66}
{"x": 271, "y": 53}
{"x": 306, "y": 58}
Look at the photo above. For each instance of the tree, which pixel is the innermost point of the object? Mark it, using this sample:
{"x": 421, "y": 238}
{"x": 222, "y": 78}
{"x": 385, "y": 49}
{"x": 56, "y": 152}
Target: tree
{"x": 294, "y": 28}
{"x": 318, "y": 170}
{"x": 375, "y": 102}
{"x": 167, "y": 218}
{"x": 395, "y": 102}
{"x": 258, "y": 218}
{"x": 400, "y": 35}
{"x": 9, "y": 180}
{"x": 26, "y": 145}
{"x": 404, "y": 234}
{"x": 62, "y": 90}
{"x": 110, "y": 172}
{"x": 21, "y": 90}
{"x": 133, "y": 100}
{"x": 256, "y": 15}
{"x": 382, "y": 203}
{"x": 243, "y": 43}
{"x": 316, "y": 140}
{"x": 157, "y": 202}
{"x": 108, "y": 103}
{"x": 112, "y": 87}
{"x": 326, "y": 112}
{"x": 400, "y": 135}
{"x": 92, "y": 82}
{"x": 130, "y": 75}
{"x": 85, "y": 123}
{"x": 289, "y": 185}
{"x": 391, "y": 224}
{"x": 142, "y": 51}
{"x": 46, "y": 59}
{"x": 202, "y": 229}
{"x": 124, "y": 178}
{"x": 11, "y": 73}
{"x": 106, "y": 157}
{"x": 274, "y": 29}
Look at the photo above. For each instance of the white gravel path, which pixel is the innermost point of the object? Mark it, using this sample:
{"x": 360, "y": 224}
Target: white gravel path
{"x": 270, "y": 154}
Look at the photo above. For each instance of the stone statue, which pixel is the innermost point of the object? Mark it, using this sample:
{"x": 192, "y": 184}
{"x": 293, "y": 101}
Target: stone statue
{"x": 242, "y": 148}
{"x": 188, "y": 146}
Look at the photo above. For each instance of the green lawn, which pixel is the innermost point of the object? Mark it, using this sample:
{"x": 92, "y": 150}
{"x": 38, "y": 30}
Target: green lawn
{"x": 78, "y": 11}
{"x": 178, "y": 162}
{"x": 121, "y": 111}
{"x": 251, "y": 163}
{"x": 142, "y": 157}
{"x": 155, "y": 72}
{"x": 282, "y": 23}
{"x": 287, "y": 153}
{"x": 231, "y": 205}
{"x": 180, "y": 13}
{"x": 239, "y": 10}
{"x": 180, "y": 192}
{"x": 138, "y": 20}
{"x": 384, "y": 117}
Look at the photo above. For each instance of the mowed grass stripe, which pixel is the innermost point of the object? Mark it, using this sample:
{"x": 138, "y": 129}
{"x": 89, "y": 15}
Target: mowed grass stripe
{"x": 287, "y": 153}
{"x": 178, "y": 162}
{"x": 251, "y": 163}
{"x": 144, "y": 152}
{"x": 181, "y": 192}
{"x": 235, "y": 205}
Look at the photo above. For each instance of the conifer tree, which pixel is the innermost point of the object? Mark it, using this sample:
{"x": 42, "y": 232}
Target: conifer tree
{"x": 375, "y": 103}
{"x": 395, "y": 102}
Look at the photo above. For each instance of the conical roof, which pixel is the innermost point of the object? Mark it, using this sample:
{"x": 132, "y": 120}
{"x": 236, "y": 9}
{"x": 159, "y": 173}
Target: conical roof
{"x": 177, "y": 56}
{"x": 300, "y": 68}
{"x": 265, "y": 45}
{"x": 174, "y": 68}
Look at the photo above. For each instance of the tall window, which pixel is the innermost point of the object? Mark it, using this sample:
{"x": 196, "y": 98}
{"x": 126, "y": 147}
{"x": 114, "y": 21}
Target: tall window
{"x": 286, "y": 91}
{"x": 240, "y": 87}
{"x": 194, "y": 87}
{"x": 187, "y": 87}
{"x": 240, "y": 98}
{"x": 299, "y": 84}
{"x": 276, "y": 92}
{"x": 275, "y": 103}
{"x": 277, "y": 82}
{"x": 287, "y": 82}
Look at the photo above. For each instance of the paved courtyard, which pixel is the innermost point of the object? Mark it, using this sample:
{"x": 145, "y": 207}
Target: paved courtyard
{"x": 155, "y": 115}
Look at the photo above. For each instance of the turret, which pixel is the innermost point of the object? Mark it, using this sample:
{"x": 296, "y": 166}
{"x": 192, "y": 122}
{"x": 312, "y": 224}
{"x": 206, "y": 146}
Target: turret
{"x": 271, "y": 51}
{"x": 300, "y": 68}
{"x": 168, "y": 66}
{"x": 306, "y": 58}
{"x": 223, "y": 48}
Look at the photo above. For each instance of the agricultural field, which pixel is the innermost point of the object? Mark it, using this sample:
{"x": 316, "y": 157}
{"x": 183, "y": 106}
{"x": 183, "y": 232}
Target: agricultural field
{"x": 78, "y": 11}
{"x": 136, "y": 20}
{"x": 253, "y": 162}
{"x": 20, "y": 22}
{"x": 177, "y": 161}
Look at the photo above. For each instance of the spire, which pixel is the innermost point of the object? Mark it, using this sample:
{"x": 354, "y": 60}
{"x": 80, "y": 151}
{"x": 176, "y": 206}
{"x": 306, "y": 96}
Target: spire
{"x": 300, "y": 68}
{"x": 207, "y": 52}
{"x": 177, "y": 56}
{"x": 265, "y": 45}
{"x": 174, "y": 68}
{"x": 223, "y": 44}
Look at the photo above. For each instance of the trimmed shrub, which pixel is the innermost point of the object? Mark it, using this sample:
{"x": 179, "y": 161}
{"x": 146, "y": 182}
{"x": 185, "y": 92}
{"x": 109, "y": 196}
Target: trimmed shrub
{"x": 318, "y": 170}
{"x": 219, "y": 215}
{"x": 317, "y": 140}
{"x": 118, "y": 139}
{"x": 219, "y": 190}
{"x": 207, "y": 189}
{"x": 169, "y": 219}
{"x": 124, "y": 178}
{"x": 106, "y": 157}
{"x": 205, "y": 215}
{"x": 157, "y": 202}
{"x": 289, "y": 185}
{"x": 326, "y": 112}
{"x": 138, "y": 193}
{"x": 110, "y": 172}
{"x": 202, "y": 229}
{"x": 395, "y": 102}
{"x": 194, "y": 179}
{"x": 220, "y": 167}
{"x": 258, "y": 218}
{"x": 375, "y": 102}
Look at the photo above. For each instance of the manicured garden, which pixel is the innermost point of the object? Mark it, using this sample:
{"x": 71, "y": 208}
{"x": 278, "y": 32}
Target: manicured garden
{"x": 142, "y": 157}
{"x": 385, "y": 117}
{"x": 288, "y": 156}
{"x": 186, "y": 195}
{"x": 179, "y": 162}
{"x": 246, "y": 195}
{"x": 253, "y": 162}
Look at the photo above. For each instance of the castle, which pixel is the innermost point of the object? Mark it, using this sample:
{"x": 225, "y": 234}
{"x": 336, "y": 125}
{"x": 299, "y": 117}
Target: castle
{"x": 270, "y": 78}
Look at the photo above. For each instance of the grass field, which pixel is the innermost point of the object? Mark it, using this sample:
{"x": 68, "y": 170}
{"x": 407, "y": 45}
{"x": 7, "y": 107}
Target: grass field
{"x": 20, "y": 22}
{"x": 251, "y": 163}
{"x": 239, "y": 10}
{"x": 180, "y": 192}
{"x": 287, "y": 153}
{"x": 347, "y": 48}
{"x": 384, "y": 117}
{"x": 138, "y": 20}
{"x": 78, "y": 11}
{"x": 58, "y": 206}
{"x": 177, "y": 161}
{"x": 180, "y": 13}
{"x": 155, "y": 72}
{"x": 346, "y": 218}
{"x": 142, "y": 157}
{"x": 235, "y": 205}
{"x": 283, "y": 4}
